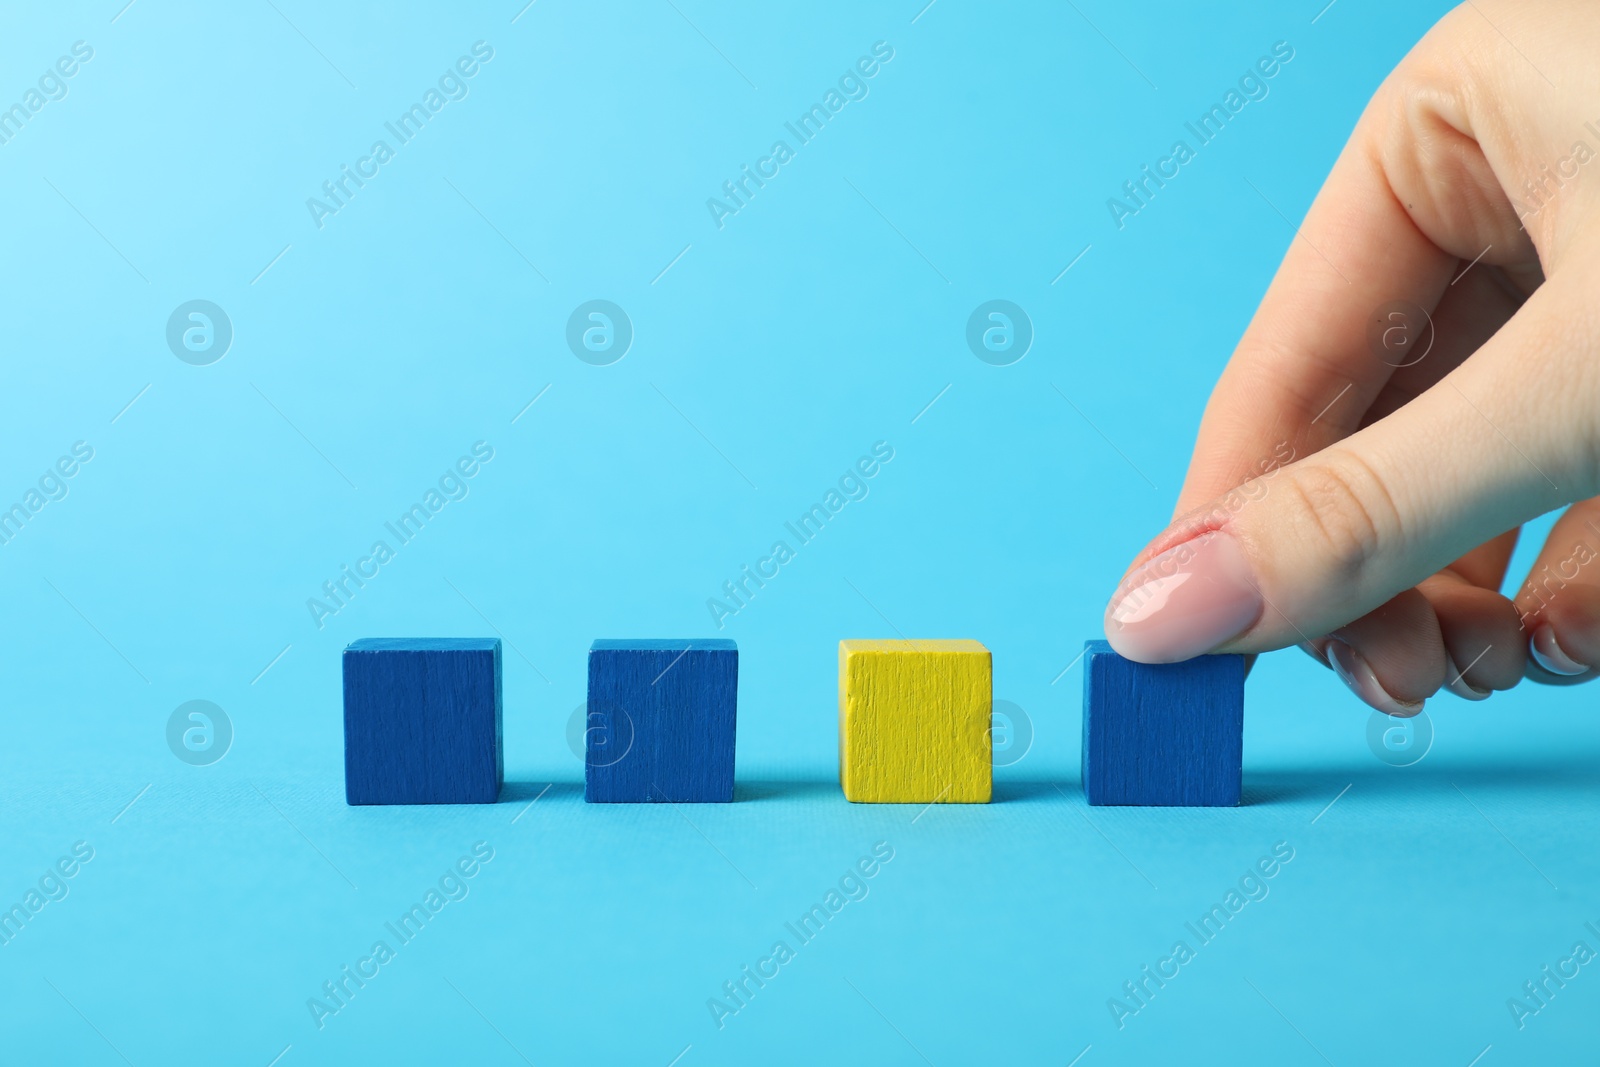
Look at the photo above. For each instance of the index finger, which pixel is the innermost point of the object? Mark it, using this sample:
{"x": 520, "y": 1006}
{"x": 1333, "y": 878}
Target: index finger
{"x": 1410, "y": 198}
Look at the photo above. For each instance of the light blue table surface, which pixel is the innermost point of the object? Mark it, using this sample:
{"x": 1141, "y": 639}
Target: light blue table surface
{"x": 828, "y": 316}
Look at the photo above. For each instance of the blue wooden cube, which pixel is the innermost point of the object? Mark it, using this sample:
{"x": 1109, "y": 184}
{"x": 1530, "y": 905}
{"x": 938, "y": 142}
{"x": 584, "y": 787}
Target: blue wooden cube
{"x": 661, "y": 721}
{"x": 422, "y": 721}
{"x": 1169, "y": 734}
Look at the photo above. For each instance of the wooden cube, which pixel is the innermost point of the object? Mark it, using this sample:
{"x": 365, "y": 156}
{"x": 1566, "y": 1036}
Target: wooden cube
{"x": 1169, "y": 734}
{"x": 422, "y": 721}
{"x": 662, "y": 718}
{"x": 914, "y": 722}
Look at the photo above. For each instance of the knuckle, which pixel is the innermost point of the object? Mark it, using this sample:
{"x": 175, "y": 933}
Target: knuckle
{"x": 1344, "y": 510}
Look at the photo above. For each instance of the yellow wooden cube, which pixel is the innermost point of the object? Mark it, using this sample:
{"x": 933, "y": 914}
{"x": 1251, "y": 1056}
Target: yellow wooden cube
{"x": 914, "y": 722}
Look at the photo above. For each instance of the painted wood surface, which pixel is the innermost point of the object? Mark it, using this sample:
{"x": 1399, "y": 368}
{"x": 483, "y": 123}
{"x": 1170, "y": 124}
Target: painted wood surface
{"x": 1168, "y": 734}
{"x": 662, "y": 719}
{"x": 914, "y": 722}
{"x": 422, "y": 721}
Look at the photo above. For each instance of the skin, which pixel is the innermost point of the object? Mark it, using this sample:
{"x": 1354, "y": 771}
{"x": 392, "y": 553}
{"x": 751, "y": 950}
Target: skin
{"x": 1393, "y": 528}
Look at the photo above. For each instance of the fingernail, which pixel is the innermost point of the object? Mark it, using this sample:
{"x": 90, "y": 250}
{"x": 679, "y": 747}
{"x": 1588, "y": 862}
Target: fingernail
{"x": 1456, "y": 682}
{"x": 1356, "y": 673}
{"x": 1184, "y": 602}
{"x": 1549, "y": 654}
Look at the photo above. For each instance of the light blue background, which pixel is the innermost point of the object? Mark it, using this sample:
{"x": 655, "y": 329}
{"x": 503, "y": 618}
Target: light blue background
{"x": 773, "y": 353}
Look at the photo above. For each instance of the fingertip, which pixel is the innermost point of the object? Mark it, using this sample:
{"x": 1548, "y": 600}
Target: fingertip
{"x": 1485, "y": 644}
{"x": 1184, "y": 601}
{"x": 1546, "y": 650}
{"x": 1455, "y": 680}
{"x": 1357, "y": 674}
{"x": 1393, "y": 658}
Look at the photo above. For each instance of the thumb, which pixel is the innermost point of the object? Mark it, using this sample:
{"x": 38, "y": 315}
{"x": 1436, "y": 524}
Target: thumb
{"x": 1312, "y": 546}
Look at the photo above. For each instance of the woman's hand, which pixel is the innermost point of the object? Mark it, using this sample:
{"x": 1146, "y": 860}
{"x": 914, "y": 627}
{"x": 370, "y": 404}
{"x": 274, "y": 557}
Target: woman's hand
{"x": 1361, "y": 472}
